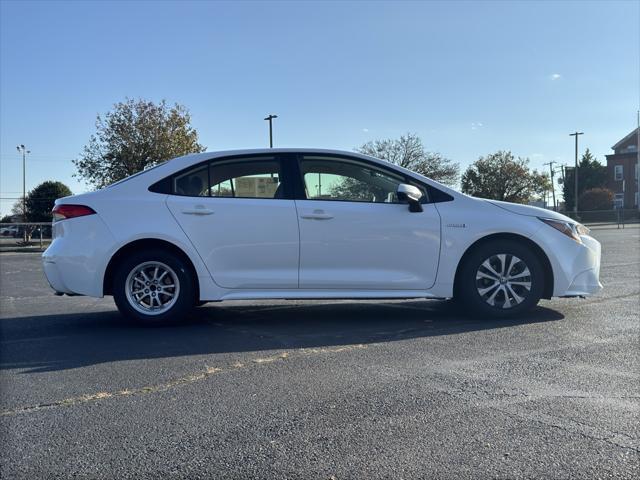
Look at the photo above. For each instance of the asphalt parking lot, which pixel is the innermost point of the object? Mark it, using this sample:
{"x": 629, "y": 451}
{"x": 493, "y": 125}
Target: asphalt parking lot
{"x": 392, "y": 389}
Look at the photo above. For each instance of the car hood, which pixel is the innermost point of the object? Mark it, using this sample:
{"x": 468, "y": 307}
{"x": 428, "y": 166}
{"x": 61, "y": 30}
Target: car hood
{"x": 530, "y": 210}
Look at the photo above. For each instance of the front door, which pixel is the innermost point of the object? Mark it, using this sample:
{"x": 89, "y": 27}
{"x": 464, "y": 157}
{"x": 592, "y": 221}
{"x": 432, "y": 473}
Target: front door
{"x": 354, "y": 234}
{"x": 236, "y": 214}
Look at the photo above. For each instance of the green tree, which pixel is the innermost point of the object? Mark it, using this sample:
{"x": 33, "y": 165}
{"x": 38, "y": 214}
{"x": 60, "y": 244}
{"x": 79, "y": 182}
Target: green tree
{"x": 409, "y": 152}
{"x": 591, "y": 174}
{"x": 135, "y": 135}
{"x": 40, "y": 200}
{"x": 596, "y": 199}
{"x": 501, "y": 176}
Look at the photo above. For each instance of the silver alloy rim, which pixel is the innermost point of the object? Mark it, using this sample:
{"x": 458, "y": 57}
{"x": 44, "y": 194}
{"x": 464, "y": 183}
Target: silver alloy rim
{"x": 152, "y": 288}
{"x": 503, "y": 280}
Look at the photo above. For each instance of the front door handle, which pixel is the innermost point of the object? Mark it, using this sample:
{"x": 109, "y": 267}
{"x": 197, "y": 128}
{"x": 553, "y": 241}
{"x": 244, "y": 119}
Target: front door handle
{"x": 199, "y": 210}
{"x": 317, "y": 215}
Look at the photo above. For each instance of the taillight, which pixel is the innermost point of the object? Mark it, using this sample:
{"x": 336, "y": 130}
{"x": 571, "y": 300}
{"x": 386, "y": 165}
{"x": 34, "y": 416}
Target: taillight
{"x": 62, "y": 212}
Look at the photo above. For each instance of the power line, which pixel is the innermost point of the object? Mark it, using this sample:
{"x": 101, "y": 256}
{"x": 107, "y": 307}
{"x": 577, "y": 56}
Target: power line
{"x": 31, "y": 198}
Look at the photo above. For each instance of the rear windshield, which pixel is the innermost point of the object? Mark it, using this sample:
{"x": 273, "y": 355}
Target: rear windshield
{"x": 134, "y": 175}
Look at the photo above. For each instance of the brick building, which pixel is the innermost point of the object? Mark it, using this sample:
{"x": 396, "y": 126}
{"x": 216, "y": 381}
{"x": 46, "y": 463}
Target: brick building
{"x": 622, "y": 171}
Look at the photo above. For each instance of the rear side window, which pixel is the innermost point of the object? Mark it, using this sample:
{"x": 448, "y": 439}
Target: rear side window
{"x": 194, "y": 183}
{"x": 259, "y": 177}
{"x": 246, "y": 179}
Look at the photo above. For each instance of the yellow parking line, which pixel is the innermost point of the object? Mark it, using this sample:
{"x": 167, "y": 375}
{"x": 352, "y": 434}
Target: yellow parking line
{"x": 187, "y": 379}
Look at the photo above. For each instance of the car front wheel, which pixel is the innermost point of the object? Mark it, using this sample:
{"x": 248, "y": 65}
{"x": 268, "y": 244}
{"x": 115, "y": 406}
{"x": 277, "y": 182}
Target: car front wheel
{"x": 153, "y": 287}
{"x": 500, "y": 279}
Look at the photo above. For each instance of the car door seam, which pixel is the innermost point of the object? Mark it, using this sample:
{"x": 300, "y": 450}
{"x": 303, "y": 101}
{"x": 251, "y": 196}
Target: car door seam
{"x": 295, "y": 204}
{"x": 166, "y": 204}
{"x": 435, "y": 277}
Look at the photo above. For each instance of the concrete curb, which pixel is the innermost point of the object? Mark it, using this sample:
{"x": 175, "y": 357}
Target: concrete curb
{"x": 22, "y": 250}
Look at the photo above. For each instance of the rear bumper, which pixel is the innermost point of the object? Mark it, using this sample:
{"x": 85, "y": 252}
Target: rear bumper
{"x": 75, "y": 261}
{"x": 54, "y": 277}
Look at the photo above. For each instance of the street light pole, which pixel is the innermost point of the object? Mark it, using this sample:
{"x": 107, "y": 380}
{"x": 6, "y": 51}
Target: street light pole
{"x": 575, "y": 174}
{"x": 270, "y": 118}
{"x": 24, "y": 151}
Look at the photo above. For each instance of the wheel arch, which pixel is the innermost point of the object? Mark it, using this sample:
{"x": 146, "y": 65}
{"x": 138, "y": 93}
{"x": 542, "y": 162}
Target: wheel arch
{"x": 539, "y": 252}
{"x": 145, "y": 244}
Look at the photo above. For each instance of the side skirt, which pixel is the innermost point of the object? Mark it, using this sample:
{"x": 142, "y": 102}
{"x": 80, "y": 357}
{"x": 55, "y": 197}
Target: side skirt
{"x": 325, "y": 294}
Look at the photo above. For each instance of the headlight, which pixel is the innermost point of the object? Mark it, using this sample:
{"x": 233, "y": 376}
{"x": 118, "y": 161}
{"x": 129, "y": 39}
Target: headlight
{"x": 581, "y": 229}
{"x": 570, "y": 229}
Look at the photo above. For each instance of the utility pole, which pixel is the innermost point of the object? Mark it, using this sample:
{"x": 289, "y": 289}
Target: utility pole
{"x": 575, "y": 173}
{"x": 270, "y": 118}
{"x": 563, "y": 177}
{"x": 24, "y": 151}
{"x": 553, "y": 185}
{"x": 638, "y": 164}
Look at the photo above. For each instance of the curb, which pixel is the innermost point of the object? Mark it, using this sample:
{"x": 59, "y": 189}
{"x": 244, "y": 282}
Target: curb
{"x": 22, "y": 250}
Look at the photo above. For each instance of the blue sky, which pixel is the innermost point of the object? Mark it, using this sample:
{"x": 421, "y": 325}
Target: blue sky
{"x": 469, "y": 77}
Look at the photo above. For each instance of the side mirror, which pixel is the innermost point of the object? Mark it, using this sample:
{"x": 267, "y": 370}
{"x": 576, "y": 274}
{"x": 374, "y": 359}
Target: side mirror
{"x": 411, "y": 195}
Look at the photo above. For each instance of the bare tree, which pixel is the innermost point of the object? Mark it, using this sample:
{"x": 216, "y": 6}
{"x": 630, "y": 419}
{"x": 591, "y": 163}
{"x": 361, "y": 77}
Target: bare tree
{"x": 409, "y": 152}
{"x": 17, "y": 210}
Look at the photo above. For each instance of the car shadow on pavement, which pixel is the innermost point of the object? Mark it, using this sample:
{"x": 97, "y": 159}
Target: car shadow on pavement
{"x": 59, "y": 342}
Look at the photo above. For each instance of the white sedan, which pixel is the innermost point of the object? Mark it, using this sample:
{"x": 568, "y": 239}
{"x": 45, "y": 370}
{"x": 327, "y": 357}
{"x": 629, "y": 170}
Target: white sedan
{"x": 308, "y": 224}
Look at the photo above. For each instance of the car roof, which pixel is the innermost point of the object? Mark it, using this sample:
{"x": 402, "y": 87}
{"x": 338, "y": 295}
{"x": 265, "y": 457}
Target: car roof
{"x": 179, "y": 163}
{"x": 195, "y": 157}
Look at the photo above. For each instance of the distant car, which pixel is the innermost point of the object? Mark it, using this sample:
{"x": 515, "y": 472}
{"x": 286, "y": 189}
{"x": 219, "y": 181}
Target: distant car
{"x": 304, "y": 224}
{"x": 10, "y": 231}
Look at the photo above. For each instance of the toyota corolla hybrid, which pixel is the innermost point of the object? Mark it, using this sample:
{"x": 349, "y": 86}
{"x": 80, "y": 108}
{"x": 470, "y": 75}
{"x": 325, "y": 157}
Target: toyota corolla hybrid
{"x": 303, "y": 223}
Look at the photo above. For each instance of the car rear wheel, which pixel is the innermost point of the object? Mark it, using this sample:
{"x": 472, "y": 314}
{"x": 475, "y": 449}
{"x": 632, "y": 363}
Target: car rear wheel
{"x": 154, "y": 288}
{"x": 500, "y": 279}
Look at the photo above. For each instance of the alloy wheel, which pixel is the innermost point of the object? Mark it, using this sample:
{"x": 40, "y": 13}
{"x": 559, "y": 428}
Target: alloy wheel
{"x": 152, "y": 288}
{"x": 503, "y": 281}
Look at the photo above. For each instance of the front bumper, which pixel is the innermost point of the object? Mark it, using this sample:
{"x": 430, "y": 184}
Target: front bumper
{"x": 575, "y": 265}
{"x": 586, "y": 269}
{"x": 585, "y": 283}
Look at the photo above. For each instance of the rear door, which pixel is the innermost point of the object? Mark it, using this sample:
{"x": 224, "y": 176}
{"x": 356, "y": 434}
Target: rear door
{"x": 355, "y": 234}
{"x": 239, "y": 215}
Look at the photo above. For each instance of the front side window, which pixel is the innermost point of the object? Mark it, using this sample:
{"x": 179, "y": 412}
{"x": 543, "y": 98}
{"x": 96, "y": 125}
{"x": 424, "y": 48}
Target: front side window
{"x": 327, "y": 178}
{"x": 260, "y": 178}
{"x": 618, "y": 172}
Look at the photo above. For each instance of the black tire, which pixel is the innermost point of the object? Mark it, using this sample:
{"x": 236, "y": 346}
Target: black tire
{"x": 178, "y": 301}
{"x": 476, "y": 288}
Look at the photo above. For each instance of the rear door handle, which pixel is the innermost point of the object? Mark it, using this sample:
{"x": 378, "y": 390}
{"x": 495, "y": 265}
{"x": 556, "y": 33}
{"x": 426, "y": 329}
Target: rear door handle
{"x": 198, "y": 211}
